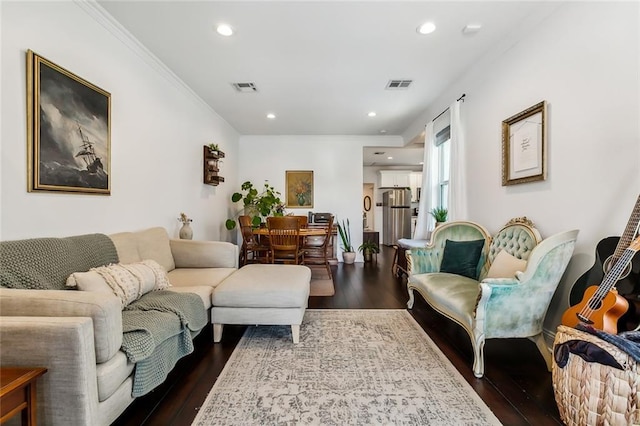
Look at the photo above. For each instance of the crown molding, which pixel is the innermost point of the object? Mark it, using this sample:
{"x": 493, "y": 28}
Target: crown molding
{"x": 104, "y": 18}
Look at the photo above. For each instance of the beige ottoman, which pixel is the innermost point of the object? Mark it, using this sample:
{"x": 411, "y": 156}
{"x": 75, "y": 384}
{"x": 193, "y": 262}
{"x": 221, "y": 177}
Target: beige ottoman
{"x": 262, "y": 295}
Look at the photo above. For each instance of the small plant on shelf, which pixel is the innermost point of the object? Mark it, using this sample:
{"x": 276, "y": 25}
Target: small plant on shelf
{"x": 439, "y": 214}
{"x": 213, "y": 147}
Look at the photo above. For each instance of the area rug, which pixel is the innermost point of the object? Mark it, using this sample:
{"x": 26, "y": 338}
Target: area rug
{"x": 321, "y": 287}
{"x": 351, "y": 367}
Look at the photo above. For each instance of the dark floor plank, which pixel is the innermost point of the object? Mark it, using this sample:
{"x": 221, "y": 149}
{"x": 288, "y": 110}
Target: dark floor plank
{"x": 516, "y": 387}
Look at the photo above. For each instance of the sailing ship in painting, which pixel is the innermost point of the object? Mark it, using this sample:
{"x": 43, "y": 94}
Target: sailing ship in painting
{"x": 88, "y": 154}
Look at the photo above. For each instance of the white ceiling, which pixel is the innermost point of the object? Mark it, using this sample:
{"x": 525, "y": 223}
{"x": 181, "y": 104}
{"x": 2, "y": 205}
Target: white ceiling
{"x": 319, "y": 66}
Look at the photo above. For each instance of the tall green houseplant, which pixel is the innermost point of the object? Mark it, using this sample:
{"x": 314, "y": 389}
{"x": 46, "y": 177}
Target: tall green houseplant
{"x": 345, "y": 236}
{"x": 256, "y": 204}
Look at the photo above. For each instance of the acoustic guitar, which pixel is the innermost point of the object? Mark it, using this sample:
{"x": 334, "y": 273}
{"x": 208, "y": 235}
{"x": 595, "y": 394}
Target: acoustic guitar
{"x": 608, "y": 251}
{"x": 602, "y": 306}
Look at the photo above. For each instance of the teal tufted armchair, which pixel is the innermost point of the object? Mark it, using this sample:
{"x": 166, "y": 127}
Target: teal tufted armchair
{"x": 493, "y": 307}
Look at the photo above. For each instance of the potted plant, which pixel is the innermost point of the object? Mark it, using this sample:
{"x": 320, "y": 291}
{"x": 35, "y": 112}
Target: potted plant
{"x": 348, "y": 254}
{"x": 368, "y": 248}
{"x": 439, "y": 214}
{"x": 256, "y": 204}
{"x": 213, "y": 148}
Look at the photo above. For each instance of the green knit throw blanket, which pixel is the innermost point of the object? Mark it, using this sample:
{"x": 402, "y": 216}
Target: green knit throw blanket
{"x": 46, "y": 263}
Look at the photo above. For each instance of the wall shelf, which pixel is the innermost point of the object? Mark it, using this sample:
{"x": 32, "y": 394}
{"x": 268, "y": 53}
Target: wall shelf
{"x": 211, "y": 166}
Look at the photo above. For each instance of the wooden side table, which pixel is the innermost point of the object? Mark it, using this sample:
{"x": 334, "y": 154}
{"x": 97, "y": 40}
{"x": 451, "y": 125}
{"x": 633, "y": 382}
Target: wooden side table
{"x": 18, "y": 393}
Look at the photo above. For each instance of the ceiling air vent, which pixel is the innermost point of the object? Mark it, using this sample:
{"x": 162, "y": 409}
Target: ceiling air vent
{"x": 245, "y": 87}
{"x": 398, "y": 84}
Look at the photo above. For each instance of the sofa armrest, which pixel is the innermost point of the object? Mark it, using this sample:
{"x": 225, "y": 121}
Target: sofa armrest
{"x": 204, "y": 254}
{"x": 68, "y": 391}
{"x": 105, "y": 312}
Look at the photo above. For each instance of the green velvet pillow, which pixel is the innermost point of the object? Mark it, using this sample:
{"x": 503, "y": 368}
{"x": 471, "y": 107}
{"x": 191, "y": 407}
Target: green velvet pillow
{"x": 461, "y": 257}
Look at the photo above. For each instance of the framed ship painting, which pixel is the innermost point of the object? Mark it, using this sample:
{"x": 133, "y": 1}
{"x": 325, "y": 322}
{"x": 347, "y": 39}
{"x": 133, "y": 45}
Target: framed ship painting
{"x": 69, "y": 131}
{"x": 299, "y": 184}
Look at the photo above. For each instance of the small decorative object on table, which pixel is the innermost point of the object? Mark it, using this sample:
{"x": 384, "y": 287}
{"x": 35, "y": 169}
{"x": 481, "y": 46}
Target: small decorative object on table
{"x": 186, "y": 233}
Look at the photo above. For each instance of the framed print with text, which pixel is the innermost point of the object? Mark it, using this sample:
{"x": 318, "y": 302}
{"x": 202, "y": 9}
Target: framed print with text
{"x": 524, "y": 146}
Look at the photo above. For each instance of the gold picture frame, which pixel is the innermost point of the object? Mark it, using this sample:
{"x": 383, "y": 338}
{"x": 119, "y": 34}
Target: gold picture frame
{"x": 524, "y": 150}
{"x": 69, "y": 131}
{"x": 299, "y": 187}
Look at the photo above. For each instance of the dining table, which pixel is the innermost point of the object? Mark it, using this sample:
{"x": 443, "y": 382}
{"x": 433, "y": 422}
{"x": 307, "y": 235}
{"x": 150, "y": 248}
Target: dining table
{"x": 304, "y": 232}
{"x": 310, "y": 231}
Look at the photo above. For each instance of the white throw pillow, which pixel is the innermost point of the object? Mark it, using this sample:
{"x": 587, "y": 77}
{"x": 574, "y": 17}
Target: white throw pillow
{"x": 127, "y": 281}
{"x": 505, "y": 265}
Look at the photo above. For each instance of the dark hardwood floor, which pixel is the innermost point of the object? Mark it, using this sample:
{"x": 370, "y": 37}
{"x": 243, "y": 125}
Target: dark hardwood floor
{"x": 516, "y": 386}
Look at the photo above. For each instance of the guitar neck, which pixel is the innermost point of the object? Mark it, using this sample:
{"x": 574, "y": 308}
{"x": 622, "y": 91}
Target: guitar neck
{"x": 611, "y": 278}
{"x": 629, "y": 232}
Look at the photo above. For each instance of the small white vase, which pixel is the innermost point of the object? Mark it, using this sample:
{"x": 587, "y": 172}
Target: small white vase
{"x": 349, "y": 257}
{"x": 186, "y": 233}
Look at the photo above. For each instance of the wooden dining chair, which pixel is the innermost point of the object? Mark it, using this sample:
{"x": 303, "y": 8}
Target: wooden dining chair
{"x": 316, "y": 249}
{"x": 284, "y": 239}
{"x": 304, "y": 221}
{"x": 253, "y": 251}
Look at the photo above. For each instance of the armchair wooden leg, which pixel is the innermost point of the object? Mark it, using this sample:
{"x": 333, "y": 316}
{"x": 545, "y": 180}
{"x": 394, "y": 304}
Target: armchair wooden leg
{"x": 411, "y": 298}
{"x": 478, "y": 356}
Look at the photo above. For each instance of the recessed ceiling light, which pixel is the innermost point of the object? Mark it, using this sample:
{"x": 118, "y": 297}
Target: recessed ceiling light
{"x": 224, "y": 30}
{"x": 389, "y": 158}
{"x": 471, "y": 28}
{"x": 372, "y": 114}
{"x": 271, "y": 116}
{"x": 383, "y": 131}
{"x": 426, "y": 28}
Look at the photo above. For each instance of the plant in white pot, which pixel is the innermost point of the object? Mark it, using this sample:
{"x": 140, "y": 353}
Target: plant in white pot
{"x": 348, "y": 253}
{"x": 439, "y": 214}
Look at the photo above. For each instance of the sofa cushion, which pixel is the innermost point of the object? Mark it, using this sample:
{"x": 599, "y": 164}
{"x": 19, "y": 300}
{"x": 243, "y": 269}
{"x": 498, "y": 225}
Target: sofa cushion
{"x": 111, "y": 374}
{"x": 211, "y": 277}
{"x": 265, "y": 286}
{"x": 152, "y": 243}
{"x": 204, "y": 291}
{"x": 126, "y": 281}
{"x": 461, "y": 257}
{"x": 505, "y": 266}
{"x": 451, "y": 294}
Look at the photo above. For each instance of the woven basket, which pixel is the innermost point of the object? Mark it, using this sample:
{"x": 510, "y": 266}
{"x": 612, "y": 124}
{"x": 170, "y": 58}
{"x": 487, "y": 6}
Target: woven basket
{"x": 590, "y": 393}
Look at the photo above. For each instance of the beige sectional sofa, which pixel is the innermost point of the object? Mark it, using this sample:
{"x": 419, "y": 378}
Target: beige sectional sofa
{"x": 77, "y": 335}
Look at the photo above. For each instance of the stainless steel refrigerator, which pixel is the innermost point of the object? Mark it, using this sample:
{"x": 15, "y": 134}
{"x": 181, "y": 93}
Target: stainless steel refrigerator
{"x": 396, "y": 215}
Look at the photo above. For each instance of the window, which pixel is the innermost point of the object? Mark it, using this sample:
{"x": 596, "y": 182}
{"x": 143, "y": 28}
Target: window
{"x": 443, "y": 147}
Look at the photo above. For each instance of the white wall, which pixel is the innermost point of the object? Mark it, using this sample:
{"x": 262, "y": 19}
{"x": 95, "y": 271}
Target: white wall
{"x": 584, "y": 61}
{"x": 158, "y": 127}
{"x": 336, "y": 162}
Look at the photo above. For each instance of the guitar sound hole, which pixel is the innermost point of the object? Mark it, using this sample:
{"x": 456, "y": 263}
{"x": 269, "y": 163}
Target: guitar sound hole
{"x": 584, "y": 319}
{"x": 610, "y": 263}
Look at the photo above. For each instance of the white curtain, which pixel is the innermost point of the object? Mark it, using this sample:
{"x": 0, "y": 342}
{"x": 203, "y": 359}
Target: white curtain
{"x": 425, "y": 222}
{"x": 457, "y": 168}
